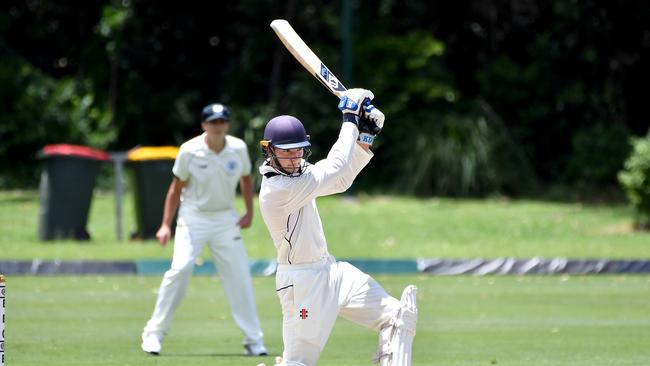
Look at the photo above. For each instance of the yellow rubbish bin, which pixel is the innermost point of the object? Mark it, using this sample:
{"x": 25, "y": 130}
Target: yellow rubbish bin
{"x": 151, "y": 174}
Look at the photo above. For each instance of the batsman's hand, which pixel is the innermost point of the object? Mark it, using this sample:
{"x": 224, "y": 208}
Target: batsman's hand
{"x": 374, "y": 115}
{"x": 368, "y": 131}
{"x": 163, "y": 234}
{"x": 370, "y": 124}
{"x": 351, "y": 103}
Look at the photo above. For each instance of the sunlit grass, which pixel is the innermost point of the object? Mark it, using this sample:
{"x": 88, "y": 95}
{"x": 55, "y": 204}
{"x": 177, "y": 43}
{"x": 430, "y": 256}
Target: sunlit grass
{"x": 367, "y": 227}
{"x": 463, "y": 320}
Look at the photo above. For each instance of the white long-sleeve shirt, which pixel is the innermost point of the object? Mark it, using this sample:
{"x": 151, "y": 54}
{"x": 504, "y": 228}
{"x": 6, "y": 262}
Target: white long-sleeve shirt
{"x": 288, "y": 204}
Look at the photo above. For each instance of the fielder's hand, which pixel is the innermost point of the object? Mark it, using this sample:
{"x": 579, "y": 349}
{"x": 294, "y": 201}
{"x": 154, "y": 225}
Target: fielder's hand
{"x": 351, "y": 103}
{"x": 163, "y": 235}
{"x": 246, "y": 220}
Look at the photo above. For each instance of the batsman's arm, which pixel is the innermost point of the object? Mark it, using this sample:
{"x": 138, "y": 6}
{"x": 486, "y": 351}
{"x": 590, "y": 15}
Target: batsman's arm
{"x": 331, "y": 175}
{"x": 364, "y": 146}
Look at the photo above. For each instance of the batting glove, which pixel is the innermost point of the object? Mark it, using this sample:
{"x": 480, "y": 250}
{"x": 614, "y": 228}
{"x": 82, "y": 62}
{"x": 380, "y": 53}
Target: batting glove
{"x": 368, "y": 131}
{"x": 351, "y": 103}
{"x": 370, "y": 124}
{"x": 373, "y": 114}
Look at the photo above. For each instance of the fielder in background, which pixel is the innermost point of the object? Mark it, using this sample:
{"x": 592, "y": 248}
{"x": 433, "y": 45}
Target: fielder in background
{"x": 313, "y": 288}
{"x": 207, "y": 170}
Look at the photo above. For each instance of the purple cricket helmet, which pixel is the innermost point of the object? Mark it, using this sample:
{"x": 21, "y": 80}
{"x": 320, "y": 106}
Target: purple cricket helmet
{"x": 285, "y": 132}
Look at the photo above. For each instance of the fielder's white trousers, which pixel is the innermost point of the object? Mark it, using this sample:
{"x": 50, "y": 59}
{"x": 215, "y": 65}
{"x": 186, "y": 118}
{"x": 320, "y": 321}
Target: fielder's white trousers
{"x": 222, "y": 235}
{"x": 313, "y": 295}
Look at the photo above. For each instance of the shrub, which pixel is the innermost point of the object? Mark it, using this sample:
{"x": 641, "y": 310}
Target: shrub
{"x": 598, "y": 153}
{"x": 635, "y": 180}
{"x": 38, "y": 110}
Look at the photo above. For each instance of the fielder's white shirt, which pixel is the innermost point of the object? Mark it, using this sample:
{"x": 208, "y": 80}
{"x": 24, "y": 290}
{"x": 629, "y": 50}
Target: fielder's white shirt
{"x": 288, "y": 204}
{"x": 212, "y": 177}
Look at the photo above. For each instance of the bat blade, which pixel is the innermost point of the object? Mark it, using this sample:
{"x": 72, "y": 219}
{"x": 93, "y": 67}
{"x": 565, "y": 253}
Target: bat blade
{"x": 306, "y": 56}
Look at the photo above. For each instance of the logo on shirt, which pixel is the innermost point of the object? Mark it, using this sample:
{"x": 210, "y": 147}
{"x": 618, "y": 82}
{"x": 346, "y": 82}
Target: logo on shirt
{"x": 304, "y": 314}
{"x": 231, "y": 167}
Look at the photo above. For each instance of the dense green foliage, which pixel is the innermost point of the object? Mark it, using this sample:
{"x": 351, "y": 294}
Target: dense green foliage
{"x": 635, "y": 179}
{"x": 480, "y": 97}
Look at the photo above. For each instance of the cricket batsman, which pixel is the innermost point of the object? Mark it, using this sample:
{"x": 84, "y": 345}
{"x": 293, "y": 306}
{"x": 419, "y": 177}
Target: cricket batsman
{"x": 314, "y": 288}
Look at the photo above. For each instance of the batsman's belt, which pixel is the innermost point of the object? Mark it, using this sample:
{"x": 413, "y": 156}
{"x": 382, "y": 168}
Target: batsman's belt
{"x": 296, "y": 267}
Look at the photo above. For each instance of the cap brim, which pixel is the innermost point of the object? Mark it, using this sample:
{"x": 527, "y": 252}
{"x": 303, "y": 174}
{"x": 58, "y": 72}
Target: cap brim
{"x": 216, "y": 117}
{"x": 294, "y": 145}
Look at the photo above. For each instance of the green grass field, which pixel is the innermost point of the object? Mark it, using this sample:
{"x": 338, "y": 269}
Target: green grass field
{"x": 464, "y": 320}
{"x": 509, "y": 321}
{"x": 369, "y": 227}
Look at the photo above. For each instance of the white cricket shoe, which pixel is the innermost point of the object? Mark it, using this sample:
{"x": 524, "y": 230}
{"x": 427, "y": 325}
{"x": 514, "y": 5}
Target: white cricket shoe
{"x": 151, "y": 344}
{"x": 256, "y": 349}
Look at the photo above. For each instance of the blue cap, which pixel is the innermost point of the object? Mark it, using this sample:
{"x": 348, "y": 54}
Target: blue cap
{"x": 215, "y": 111}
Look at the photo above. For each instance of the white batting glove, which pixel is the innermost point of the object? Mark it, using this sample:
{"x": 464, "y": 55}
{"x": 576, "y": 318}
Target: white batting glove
{"x": 353, "y": 99}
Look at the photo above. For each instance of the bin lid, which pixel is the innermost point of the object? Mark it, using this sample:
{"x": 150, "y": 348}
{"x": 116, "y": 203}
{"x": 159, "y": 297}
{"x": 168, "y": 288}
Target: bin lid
{"x": 74, "y": 150}
{"x": 153, "y": 153}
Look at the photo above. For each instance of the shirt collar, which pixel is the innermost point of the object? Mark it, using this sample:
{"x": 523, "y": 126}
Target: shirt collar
{"x": 205, "y": 146}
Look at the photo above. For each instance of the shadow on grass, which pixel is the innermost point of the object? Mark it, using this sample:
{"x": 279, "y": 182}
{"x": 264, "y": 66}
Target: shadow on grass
{"x": 19, "y": 197}
{"x": 583, "y": 193}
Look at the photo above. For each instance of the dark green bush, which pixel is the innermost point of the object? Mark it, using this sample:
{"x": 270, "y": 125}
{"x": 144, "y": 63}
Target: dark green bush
{"x": 40, "y": 110}
{"x": 598, "y": 153}
{"x": 635, "y": 180}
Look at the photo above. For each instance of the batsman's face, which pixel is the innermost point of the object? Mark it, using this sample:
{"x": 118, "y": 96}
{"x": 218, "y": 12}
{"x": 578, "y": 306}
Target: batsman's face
{"x": 289, "y": 159}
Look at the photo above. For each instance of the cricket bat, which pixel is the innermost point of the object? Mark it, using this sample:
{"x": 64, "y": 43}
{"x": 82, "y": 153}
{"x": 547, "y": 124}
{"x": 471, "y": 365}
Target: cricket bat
{"x": 306, "y": 56}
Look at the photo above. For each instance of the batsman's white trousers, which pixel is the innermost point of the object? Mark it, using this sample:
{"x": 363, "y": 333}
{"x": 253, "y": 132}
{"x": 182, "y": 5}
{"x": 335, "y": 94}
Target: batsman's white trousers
{"x": 222, "y": 235}
{"x": 313, "y": 295}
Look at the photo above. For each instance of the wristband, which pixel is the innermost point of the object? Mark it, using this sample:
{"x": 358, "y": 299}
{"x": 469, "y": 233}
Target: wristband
{"x": 366, "y": 138}
{"x": 351, "y": 117}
